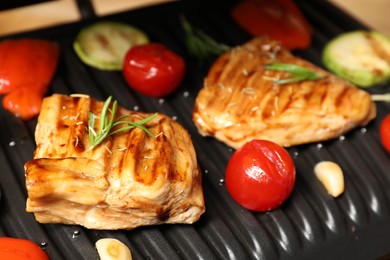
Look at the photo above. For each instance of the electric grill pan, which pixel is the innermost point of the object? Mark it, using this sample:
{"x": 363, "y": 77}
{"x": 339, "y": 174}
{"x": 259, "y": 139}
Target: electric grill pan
{"x": 309, "y": 225}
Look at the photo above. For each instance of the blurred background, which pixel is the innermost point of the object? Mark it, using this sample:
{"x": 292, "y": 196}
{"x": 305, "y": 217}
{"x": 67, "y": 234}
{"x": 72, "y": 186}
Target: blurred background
{"x": 16, "y": 16}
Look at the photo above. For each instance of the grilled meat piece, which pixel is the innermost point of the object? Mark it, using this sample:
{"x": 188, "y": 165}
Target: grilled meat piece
{"x": 129, "y": 180}
{"x": 240, "y": 100}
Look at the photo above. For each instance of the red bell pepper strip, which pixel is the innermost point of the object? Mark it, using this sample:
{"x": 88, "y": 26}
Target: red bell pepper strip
{"x": 279, "y": 19}
{"x": 20, "y": 249}
{"x": 27, "y": 67}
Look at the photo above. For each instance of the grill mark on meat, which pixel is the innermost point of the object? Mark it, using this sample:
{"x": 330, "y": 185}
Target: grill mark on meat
{"x": 124, "y": 153}
{"x": 240, "y": 100}
{"x": 163, "y": 214}
{"x": 172, "y": 175}
{"x": 341, "y": 97}
{"x": 135, "y": 151}
{"x": 285, "y": 99}
{"x": 218, "y": 72}
{"x": 323, "y": 95}
{"x": 127, "y": 181}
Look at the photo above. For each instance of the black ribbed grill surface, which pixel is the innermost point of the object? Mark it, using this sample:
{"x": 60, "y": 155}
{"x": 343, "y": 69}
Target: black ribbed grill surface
{"x": 310, "y": 225}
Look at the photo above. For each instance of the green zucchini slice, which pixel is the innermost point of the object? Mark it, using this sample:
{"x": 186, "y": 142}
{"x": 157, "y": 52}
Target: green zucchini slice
{"x": 103, "y": 45}
{"x": 361, "y": 57}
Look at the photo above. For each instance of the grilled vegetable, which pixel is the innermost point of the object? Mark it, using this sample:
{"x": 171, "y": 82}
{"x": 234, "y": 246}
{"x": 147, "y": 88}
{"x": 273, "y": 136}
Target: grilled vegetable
{"x": 26, "y": 69}
{"x": 260, "y": 175}
{"x": 280, "y": 19}
{"x": 384, "y": 132}
{"x": 104, "y": 44}
{"x": 153, "y": 70}
{"x": 20, "y": 249}
{"x": 361, "y": 57}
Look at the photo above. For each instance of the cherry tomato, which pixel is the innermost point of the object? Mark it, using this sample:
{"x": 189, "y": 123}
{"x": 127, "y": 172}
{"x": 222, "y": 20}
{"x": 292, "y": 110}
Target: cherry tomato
{"x": 279, "y": 19}
{"x": 153, "y": 70}
{"x": 260, "y": 175}
{"x": 20, "y": 249}
{"x": 384, "y": 132}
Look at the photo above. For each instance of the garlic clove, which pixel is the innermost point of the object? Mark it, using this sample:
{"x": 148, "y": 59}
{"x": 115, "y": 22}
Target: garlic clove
{"x": 331, "y": 176}
{"x": 112, "y": 249}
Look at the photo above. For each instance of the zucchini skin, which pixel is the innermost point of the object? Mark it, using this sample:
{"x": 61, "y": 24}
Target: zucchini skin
{"x": 104, "y": 44}
{"x": 361, "y": 57}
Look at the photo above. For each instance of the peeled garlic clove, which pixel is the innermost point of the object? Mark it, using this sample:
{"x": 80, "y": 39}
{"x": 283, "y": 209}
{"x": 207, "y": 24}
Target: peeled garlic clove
{"x": 112, "y": 249}
{"x": 331, "y": 176}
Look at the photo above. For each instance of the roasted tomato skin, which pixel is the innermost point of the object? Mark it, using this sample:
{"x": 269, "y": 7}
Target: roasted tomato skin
{"x": 260, "y": 175}
{"x": 20, "y": 249}
{"x": 153, "y": 70}
{"x": 384, "y": 132}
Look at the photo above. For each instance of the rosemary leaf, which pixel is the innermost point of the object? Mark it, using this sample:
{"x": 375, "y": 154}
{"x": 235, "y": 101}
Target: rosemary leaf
{"x": 199, "y": 44}
{"x": 104, "y": 116}
{"x": 298, "y": 73}
{"x": 91, "y": 122}
{"x": 108, "y": 122}
{"x": 131, "y": 126}
{"x": 138, "y": 124}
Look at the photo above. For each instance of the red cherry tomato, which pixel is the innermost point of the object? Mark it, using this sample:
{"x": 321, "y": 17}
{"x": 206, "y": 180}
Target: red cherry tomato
{"x": 260, "y": 175}
{"x": 20, "y": 249}
{"x": 384, "y": 132}
{"x": 153, "y": 70}
{"x": 279, "y": 19}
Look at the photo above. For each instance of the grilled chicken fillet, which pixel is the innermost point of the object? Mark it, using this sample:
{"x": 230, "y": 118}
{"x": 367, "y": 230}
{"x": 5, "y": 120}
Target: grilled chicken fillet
{"x": 129, "y": 180}
{"x": 240, "y": 100}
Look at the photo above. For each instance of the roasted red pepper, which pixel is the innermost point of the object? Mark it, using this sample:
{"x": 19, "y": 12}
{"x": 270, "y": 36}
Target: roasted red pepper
{"x": 20, "y": 249}
{"x": 27, "y": 67}
{"x": 279, "y": 19}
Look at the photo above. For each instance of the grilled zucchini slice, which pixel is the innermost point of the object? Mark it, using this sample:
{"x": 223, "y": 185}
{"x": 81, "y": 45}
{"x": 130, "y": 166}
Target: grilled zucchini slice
{"x": 361, "y": 57}
{"x": 103, "y": 45}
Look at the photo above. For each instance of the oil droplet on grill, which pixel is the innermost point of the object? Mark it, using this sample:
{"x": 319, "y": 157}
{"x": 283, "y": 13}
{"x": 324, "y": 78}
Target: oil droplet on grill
{"x": 75, "y": 233}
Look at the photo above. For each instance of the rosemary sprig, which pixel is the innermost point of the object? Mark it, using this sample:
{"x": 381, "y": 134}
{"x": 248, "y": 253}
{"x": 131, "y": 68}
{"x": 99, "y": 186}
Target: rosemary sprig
{"x": 199, "y": 44}
{"x": 298, "y": 73}
{"x": 108, "y": 122}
